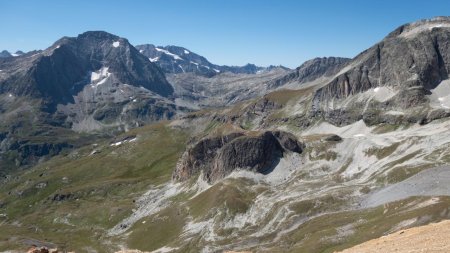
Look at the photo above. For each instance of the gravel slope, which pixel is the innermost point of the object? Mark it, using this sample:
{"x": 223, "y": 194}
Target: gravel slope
{"x": 433, "y": 238}
{"x": 431, "y": 182}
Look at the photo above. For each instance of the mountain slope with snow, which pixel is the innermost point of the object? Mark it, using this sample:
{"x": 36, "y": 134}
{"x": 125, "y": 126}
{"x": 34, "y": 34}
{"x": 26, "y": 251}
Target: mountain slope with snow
{"x": 174, "y": 59}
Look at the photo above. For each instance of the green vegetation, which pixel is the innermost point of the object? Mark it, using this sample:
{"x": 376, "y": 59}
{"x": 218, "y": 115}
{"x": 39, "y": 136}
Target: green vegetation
{"x": 158, "y": 230}
{"x": 229, "y": 194}
{"x": 385, "y": 128}
{"x": 401, "y": 173}
{"x": 282, "y": 97}
{"x": 99, "y": 189}
{"x": 337, "y": 231}
{"x": 383, "y": 152}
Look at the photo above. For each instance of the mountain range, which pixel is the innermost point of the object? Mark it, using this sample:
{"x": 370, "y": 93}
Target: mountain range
{"x": 173, "y": 59}
{"x": 106, "y": 146}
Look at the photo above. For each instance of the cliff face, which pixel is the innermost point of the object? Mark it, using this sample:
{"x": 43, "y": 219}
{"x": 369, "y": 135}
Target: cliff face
{"x": 415, "y": 55}
{"x": 217, "y": 157}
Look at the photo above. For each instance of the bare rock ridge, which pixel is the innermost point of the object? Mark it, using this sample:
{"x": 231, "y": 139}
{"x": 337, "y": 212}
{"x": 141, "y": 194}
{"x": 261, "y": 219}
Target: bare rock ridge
{"x": 312, "y": 70}
{"x": 218, "y": 156}
{"x": 409, "y": 63}
{"x": 174, "y": 59}
{"x": 415, "y": 55}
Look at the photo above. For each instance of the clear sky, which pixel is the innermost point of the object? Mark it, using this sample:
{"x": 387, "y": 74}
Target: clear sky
{"x": 232, "y": 32}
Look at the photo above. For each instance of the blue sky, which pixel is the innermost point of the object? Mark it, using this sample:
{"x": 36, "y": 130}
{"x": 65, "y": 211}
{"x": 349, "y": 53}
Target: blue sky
{"x": 232, "y": 32}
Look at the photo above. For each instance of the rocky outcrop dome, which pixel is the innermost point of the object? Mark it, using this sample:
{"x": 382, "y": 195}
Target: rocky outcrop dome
{"x": 217, "y": 157}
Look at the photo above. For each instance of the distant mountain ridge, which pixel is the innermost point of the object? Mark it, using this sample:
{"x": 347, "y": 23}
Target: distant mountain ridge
{"x": 175, "y": 59}
{"x": 6, "y": 54}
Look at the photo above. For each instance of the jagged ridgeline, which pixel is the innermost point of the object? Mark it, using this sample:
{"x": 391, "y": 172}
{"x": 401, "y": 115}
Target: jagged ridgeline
{"x": 105, "y": 146}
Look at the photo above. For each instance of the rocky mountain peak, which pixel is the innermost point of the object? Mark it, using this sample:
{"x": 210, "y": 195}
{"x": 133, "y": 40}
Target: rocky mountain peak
{"x": 62, "y": 69}
{"x": 424, "y": 25}
{"x": 5, "y": 54}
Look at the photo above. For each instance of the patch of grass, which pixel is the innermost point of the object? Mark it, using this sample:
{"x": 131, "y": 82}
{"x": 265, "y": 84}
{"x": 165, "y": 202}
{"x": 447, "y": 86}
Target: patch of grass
{"x": 103, "y": 186}
{"x": 158, "y": 230}
{"x": 401, "y": 173}
{"x": 231, "y": 194}
{"x": 385, "y": 128}
{"x": 282, "y": 97}
{"x": 383, "y": 152}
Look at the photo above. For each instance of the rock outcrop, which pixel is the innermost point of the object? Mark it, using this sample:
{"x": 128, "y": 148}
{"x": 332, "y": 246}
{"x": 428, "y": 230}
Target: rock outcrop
{"x": 412, "y": 60}
{"x": 312, "y": 70}
{"x": 217, "y": 157}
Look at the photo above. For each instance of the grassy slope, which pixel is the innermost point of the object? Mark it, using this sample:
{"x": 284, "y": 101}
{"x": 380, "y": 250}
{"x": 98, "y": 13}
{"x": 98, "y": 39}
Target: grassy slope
{"x": 103, "y": 186}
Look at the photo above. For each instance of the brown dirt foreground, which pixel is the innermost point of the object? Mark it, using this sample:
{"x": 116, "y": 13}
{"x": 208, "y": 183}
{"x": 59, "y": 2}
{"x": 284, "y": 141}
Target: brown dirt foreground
{"x": 432, "y": 238}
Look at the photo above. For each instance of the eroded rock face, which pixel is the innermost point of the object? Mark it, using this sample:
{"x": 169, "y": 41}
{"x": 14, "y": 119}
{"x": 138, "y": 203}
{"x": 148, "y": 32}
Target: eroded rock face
{"x": 312, "y": 70}
{"x": 201, "y": 155}
{"x": 217, "y": 157}
{"x": 405, "y": 66}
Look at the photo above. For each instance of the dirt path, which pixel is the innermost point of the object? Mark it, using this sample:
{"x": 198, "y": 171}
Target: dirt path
{"x": 432, "y": 238}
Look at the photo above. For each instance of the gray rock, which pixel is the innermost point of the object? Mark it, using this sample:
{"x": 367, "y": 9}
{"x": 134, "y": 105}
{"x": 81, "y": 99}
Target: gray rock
{"x": 413, "y": 59}
{"x": 333, "y": 138}
{"x": 217, "y": 157}
{"x": 174, "y": 59}
{"x": 312, "y": 70}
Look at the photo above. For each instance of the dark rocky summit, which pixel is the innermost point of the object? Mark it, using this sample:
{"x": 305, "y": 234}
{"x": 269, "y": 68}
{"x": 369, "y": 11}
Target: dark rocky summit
{"x": 58, "y": 72}
{"x": 217, "y": 157}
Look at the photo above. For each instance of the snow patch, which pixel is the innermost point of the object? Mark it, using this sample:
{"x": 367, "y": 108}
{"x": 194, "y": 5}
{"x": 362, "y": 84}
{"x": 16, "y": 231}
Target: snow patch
{"x": 383, "y": 94}
{"x": 99, "y": 77}
{"x": 186, "y": 52}
{"x": 115, "y": 144}
{"x": 440, "y": 96}
{"x": 116, "y": 44}
{"x": 103, "y": 72}
{"x": 164, "y": 250}
{"x": 154, "y": 59}
{"x": 395, "y": 113}
{"x": 176, "y": 57}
